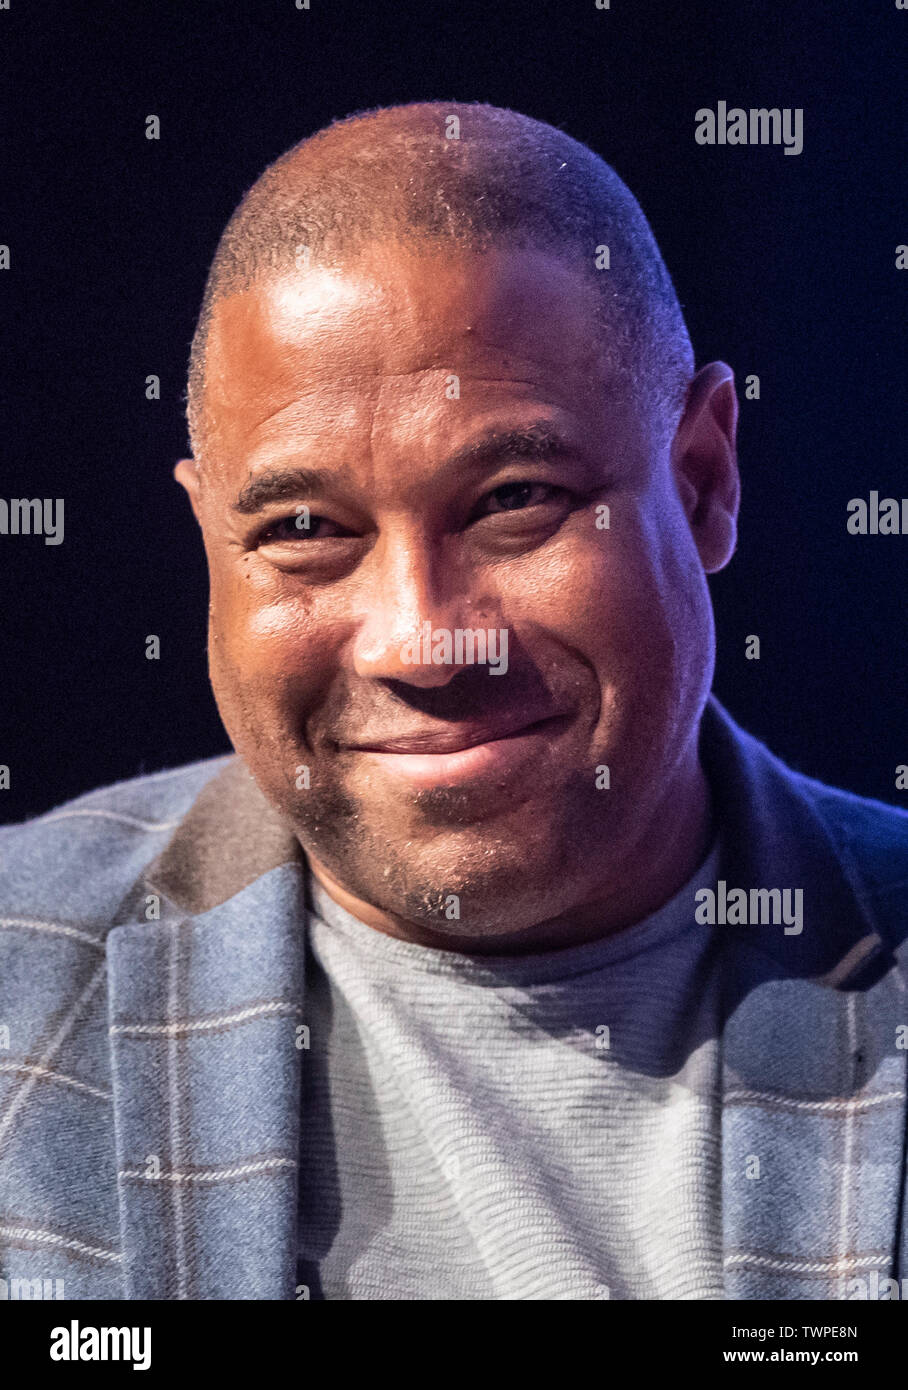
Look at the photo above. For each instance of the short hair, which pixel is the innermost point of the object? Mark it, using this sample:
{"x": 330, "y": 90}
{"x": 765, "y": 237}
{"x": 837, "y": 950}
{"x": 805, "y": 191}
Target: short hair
{"x": 489, "y": 178}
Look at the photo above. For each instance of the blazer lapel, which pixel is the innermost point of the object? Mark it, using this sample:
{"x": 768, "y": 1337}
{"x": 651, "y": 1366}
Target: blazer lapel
{"x": 813, "y": 1087}
{"x": 205, "y": 1014}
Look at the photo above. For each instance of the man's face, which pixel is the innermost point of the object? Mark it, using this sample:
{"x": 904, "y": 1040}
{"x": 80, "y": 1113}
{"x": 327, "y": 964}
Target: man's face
{"x": 431, "y": 440}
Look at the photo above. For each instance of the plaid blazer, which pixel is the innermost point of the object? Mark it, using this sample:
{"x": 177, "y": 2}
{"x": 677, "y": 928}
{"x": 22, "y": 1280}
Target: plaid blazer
{"x": 151, "y": 988}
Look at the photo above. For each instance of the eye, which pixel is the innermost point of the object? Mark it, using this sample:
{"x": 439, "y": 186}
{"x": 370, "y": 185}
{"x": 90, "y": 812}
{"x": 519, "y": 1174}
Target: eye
{"x": 516, "y": 497}
{"x": 302, "y": 526}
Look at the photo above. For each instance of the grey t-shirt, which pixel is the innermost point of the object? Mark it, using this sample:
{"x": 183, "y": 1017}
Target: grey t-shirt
{"x": 534, "y": 1127}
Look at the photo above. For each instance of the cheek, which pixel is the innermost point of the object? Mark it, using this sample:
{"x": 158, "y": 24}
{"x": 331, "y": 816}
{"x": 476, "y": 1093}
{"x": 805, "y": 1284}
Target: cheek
{"x": 252, "y": 616}
{"x": 276, "y": 648}
{"x": 663, "y": 613}
{"x": 631, "y": 603}
{"x": 598, "y": 593}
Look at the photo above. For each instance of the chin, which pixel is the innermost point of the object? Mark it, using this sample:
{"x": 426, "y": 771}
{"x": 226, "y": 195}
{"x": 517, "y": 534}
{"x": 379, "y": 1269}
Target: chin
{"x": 467, "y": 884}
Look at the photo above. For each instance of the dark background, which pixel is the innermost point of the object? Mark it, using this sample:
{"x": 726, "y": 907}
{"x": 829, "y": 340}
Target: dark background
{"x": 785, "y": 266}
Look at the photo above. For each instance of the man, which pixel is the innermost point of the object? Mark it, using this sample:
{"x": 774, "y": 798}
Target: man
{"x": 499, "y": 963}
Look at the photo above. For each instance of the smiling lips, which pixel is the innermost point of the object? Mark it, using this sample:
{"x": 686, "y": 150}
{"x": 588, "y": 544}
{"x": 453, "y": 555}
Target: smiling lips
{"x": 444, "y": 757}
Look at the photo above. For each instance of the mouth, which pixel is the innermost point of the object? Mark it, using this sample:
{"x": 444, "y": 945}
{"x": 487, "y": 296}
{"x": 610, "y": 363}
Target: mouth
{"x": 434, "y": 741}
{"x": 445, "y": 758}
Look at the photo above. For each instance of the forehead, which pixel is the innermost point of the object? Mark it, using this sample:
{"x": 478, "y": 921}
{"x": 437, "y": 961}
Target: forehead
{"x": 376, "y": 345}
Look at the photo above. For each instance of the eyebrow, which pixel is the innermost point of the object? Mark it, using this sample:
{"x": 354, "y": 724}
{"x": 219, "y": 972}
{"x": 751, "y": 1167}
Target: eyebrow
{"x": 535, "y": 443}
{"x": 280, "y": 485}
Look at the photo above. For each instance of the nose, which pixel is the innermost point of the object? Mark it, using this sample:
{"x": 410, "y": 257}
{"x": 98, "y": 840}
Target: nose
{"x": 410, "y": 593}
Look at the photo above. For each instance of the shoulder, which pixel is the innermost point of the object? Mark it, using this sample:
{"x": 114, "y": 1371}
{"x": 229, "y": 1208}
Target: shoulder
{"x": 762, "y": 792}
{"x": 869, "y": 841}
{"x": 77, "y": 862}
{"x": 871, "y": 834}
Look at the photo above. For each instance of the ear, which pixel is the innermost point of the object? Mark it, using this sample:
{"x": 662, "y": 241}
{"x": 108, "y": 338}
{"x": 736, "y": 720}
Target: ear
{"x": 705, "y": 464}
{"x": 187, "y": 475}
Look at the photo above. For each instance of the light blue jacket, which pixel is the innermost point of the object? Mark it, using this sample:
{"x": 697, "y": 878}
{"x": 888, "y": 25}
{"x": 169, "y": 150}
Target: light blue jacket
{"x": 150, "y": 1064}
